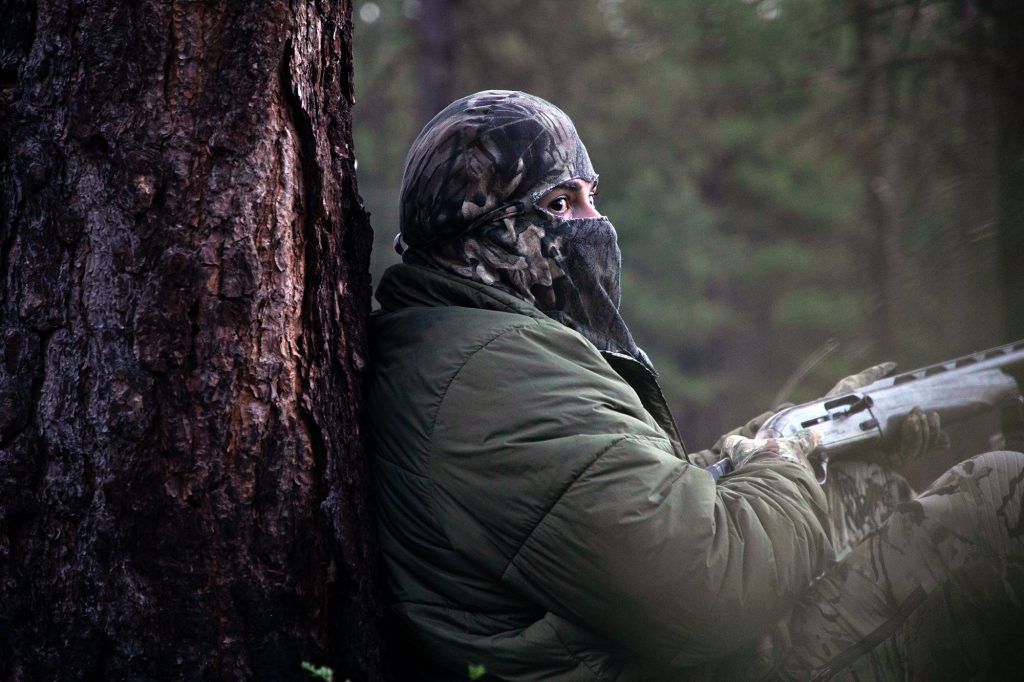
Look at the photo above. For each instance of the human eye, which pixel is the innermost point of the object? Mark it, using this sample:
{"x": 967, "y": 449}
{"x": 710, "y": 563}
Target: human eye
{"x": 558, "y": 204}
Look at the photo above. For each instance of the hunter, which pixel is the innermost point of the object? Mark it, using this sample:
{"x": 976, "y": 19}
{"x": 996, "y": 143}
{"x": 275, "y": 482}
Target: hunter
{"x": 539, "y": 514}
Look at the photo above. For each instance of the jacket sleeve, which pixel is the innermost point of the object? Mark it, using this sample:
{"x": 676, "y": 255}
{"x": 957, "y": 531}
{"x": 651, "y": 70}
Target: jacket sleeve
{"x": 571, "y": 495}
{"x": 654, "y": 555}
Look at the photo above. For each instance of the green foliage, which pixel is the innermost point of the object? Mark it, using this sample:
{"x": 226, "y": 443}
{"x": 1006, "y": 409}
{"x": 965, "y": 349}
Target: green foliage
{"x": 322, "y": 673}
{"x": 476, "y": 671}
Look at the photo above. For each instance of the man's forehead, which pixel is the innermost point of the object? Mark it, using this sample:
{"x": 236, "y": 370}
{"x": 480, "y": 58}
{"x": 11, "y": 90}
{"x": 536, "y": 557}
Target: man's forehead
{"x": 576, "y": 184}
{"x": 579, "y": 183}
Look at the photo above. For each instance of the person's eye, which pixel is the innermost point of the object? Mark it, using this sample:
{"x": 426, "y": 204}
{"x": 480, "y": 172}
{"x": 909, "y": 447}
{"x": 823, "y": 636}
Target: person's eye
{"x": 558, "y": 205}
{"x": 592, "y": 198}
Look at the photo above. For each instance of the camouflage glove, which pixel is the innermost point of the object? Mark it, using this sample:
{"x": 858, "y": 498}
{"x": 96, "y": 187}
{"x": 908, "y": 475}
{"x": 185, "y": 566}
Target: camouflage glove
{"x": 741, "y": 451}
{"x": 920, "y": 432}
{"x": 705, "y": 458}
{"x": 750, "y": 429}
{"x": 861, "y": 379}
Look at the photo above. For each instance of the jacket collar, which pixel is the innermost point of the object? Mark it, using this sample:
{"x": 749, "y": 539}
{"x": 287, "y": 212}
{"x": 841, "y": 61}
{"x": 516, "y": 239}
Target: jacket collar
{"x": 406, "y": 286}
{"x": 645, "y": 383}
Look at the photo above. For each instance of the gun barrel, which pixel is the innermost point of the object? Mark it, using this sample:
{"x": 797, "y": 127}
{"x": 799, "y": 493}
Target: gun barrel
{"x": 956, "y": 389}
{"x": 1008, "y": 356}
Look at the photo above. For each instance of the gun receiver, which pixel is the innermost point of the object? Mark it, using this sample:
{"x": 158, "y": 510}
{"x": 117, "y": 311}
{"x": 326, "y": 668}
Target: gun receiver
{"x": 957, "y": 389}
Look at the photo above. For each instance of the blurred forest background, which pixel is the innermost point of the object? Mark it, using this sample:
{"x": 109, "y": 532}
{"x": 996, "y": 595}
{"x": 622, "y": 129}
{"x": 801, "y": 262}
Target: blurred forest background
{"x": 801, "y": 187}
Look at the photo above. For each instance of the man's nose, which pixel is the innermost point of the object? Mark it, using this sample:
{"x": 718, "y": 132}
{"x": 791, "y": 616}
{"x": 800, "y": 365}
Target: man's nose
{"x": 587, "y": 210}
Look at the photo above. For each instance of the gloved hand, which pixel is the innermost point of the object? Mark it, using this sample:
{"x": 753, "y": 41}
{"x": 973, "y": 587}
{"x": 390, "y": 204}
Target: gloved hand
{"x": 862, "y": 378}
{"x": 748, "y": 430}
{"x": 920, "y": 432}
{"x": 741, "y": 450}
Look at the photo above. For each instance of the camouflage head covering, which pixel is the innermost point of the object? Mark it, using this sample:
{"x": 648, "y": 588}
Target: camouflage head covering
{"x": 495, "y": 149}
{"x": 468, "y": 207}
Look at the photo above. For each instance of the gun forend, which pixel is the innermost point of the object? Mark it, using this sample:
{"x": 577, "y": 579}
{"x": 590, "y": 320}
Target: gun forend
{"x": 957, "y": 389}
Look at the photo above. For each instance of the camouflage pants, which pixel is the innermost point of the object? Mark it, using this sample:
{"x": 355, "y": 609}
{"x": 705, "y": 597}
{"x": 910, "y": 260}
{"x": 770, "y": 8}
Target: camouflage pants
{"x": 936, "y": 591}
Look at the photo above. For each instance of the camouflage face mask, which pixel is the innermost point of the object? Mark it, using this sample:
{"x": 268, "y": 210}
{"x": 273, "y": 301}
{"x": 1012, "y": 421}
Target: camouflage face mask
{"x": 471, "y": 181}
{"x": 587, "y": 296}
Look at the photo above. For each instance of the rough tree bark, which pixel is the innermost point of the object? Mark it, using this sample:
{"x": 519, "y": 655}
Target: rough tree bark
{"x": 183, "y": 253}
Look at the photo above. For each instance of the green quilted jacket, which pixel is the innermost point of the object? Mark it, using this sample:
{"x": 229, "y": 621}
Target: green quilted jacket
{"x": 538, "y": 513}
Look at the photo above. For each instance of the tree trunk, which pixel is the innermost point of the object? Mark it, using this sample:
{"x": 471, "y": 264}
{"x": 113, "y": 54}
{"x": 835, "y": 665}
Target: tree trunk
{"x": 969, "y": 300}
{"x": 435, "y": 36}
{"x": 1007, "y": 22}
{"x": 183, "y": 491}
{"x": 881, "y": 244}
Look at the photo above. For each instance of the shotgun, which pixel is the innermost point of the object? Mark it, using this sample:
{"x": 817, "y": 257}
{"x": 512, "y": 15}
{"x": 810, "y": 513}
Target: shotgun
{"x": 871, "y": 415}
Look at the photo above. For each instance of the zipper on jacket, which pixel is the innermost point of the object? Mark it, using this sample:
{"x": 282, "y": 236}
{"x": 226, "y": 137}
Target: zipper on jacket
{"x": 645, "y": 382}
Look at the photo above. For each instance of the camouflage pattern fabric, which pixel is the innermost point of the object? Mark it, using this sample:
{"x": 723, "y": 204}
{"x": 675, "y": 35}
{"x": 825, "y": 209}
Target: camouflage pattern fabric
{"x": 704, "y": 458}
{"x": 741, "y": 450}
{"x": 484, "y": 157}
{"x": 861, "y": 497}
{"x": 936, "y": 593}
{"x": 468, "y": 197}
